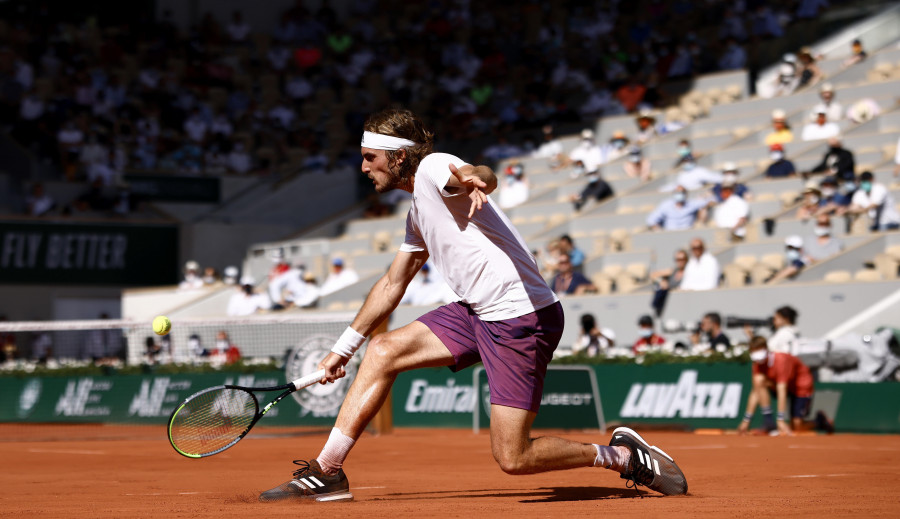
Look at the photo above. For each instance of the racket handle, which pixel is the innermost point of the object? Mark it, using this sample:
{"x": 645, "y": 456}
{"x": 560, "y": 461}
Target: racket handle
{"x": 308, "y": 380}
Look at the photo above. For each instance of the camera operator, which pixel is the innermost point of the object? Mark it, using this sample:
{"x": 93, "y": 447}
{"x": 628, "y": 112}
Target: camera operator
{"x": 593, "y": 340}
{"x": 784, "y": 322}
{"x": 713, "y": 337}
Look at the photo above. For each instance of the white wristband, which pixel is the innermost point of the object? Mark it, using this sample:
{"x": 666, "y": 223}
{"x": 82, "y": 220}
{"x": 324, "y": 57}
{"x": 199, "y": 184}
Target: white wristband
{"x": 348, "y": 343}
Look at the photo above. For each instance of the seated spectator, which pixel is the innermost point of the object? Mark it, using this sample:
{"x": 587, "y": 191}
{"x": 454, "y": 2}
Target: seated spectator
{"x": 693, "y": 176}
{"x": 786, "y": 81}
{"x": 192, "y": 279}
{"x": 730, "y": 174}
{"x": 833, "y": 109}
{"x": 685, "y": 153}
{"x": 548, "y": 257}
{"x": 812, "y": 201}
{"x": 550, "y": 148}
{"x": 616, "y": 147}
{"x": 677, "y": 212}
{"x": 637, "y": 166}
{"x": 821, "y": 128}
{"x": 781, "y": 130}
{"x": 710, "y": 334}
{"x": 586, "y": 156}
{"x": 874, "y": 199}
{"x": 427, "y": 289}
{"x": 593, "y": 340}
{"x": 837, "y": 161}
{"x": 810, "y": 73}
{"x": 567, "y": 245}
{"x": 732, "y": 213}
{"x": 246, "y": 301}
{"x": 515, "y": 190}
{"x": 238, "y": 160}
{"x": 796, "y": 260}
{"x": 857, "y": 53}
{"x": 648, "y": 339}
{"x": 340, "y": 277}
{"x": 702, "y": 271}
{"x": 39, "y": 203}
{"x": 822, "y": 244}
{"x": 646, "y": 127}
{"x": 195, "y": 346}
{"x": 230, "y": 275}
{"x": 226, "y": 352}
{"x": 863, "y": 110}
{"x": 780, "y": 167}
{"x": 835, "y": 198}
{"x": 210, "y": 276}
{"x": 670, "y": 278}
{"x": 568, "y": 281}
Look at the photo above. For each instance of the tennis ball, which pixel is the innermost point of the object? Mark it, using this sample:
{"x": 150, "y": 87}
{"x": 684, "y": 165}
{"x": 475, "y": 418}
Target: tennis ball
{"x": 161, "y": 325}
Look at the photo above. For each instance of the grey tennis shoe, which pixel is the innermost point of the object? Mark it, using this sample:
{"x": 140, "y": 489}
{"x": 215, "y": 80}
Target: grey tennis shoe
{"x": 311, "y": 483}
{"x": 649, "y": 465}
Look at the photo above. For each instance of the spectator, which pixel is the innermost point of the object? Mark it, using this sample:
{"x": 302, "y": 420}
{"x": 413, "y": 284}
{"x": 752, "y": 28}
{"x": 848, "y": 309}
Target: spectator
{"x": 810, "y": 73}
{"x": 648, "y": 339}
{"x": 42, "y": 348}
{"x": 837, "y": 161}
{"x": 550, "y": 148}
{"x": 786, "y": 81}
{"x": 637, "y": 166}
{"x": 788, "y": 377}
{"x": 874, "y": 199}
{"x": 781, "y": 131}
{"x": 785, "y": 336}
{"x": 670, "y": 278}
{"x": 548, "y": 257}
{"x": 152, "y": 350}
{"x": 702, "y": 271}
{"x": 693, "y": 176}
{"x": 245, "y": 301}
{"x": 712, "y": 337}
{"x": 192, "y": 279}
{"x": 226, "y": 352}
{"x": 39, "y": 203}
{"x": 195, "y": 347}
{"x": 685, "y": 153}
{"x": 428, "y": 289}
{"x": 780, "y": 167}
{"x": 230, "y": 275}
{"x": 593, "y": 340}
{"x": 279, "y": 275}
{"x": 821, "y": 128}
{"x": 515, "y": 191}
{"x": 575, "y": 254}
{"x": 210, "y": 276}
{"x": 340, "y": 277}
{"x": 833, "y": 110}
{"x": 857, "y": 54}
{"x": 863, "y": 110}
{"x": 646, "y": 127}
{"x": 568, "y": 281}
{"x": 795, "y": 258}
{"x": 812, "y": 201}
{"x": 616, "y": 147}
{"x": 678, "y": 212}
{"x": 733, "y": 57}
{"x": 730, "y": 174}
{"x": 238, "y": 30}
{"x": 239, "y": 161}
{"x": 732, "y": 213}
{"x": 822, "y": 244}
{"x": 588, "y": 158}
{"x": 835, "y": 199}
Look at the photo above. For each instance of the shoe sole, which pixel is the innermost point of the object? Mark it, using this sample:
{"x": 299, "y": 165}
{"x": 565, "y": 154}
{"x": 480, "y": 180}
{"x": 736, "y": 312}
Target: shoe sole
{"x": 636, "y": 436}
{"x": 322, "y": 498}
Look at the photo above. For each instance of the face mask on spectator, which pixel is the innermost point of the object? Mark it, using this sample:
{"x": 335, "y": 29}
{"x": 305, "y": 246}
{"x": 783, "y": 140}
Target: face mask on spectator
{"x": 828, "y": 192}
{"x": 821, "y": 230}
{"x": 618, "y": 143}
{"x": 848, "y": 187}
{"x": 865, "y": 186}
{"x": 792, "y": 255}
{"x": 758, "y": 356}
{"x": 813, "y": 199}
{"x": 221, "y": 344}
{"x": 645, "y": 332}
{"x": 680, "y": 196}
{"x": 729, "y": 178}
{"x": 776, "y": 155}
{"x": 684, "y": 151}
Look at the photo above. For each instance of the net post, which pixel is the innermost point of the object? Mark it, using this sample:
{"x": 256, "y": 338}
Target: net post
{"x": 384, "y": 419}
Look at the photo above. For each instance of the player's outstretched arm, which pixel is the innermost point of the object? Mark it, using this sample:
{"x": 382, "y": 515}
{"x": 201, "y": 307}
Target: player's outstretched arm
{"x": 381, "y": 301}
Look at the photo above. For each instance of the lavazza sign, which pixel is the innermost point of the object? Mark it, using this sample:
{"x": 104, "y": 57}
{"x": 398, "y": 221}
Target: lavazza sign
{"x": 687, "y": 398}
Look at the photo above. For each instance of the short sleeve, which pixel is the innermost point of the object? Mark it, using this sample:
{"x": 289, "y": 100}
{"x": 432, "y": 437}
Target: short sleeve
{"x": 879, "y": 193}
{"x": 413, "y": 241}
{"x": 859, "y": 198}
{"x": 436, "y": 169}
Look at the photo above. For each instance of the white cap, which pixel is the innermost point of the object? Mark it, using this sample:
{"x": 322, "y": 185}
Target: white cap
{"x": 248, "y": 280}
{"x": 778, "y": 113}
{"x": 191, "y": 265}
{"x": 794, "y": 241}
{"x": 231, "y": 271}
{"x": 729, "y": 166}
{"x": 587, "y": 133}
{"x": 786, "y": 70}
{"x": 826, "y": 87}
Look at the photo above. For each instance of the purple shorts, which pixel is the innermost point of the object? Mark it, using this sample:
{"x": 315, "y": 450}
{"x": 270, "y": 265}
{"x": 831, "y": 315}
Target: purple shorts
{"x": 515, "y": 352}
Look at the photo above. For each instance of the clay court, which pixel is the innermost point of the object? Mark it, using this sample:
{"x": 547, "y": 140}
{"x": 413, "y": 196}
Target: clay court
{"x": 448, "y": 473}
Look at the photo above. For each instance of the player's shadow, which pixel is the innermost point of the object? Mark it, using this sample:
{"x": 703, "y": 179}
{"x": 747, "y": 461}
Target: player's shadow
{"x": 540, "y": 495}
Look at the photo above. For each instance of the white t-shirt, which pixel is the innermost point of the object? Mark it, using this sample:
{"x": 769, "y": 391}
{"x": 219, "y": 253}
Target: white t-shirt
{"x": 513, "y": 194}
{"x": 548, "y": 150}
{"x": 589, "y": 154}
{"x": 701, "y": 274}
{"x": 484, "y": 260}
{"x": 729, "y": 212}
{"x": 879, "y": 196}
{"x": 243, "y": 304}
{"x": 784, "y": 340}
{"x": 815, "y": 132}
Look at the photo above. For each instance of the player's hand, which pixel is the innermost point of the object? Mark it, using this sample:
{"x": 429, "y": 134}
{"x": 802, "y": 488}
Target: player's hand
{"x": 784, "y": 428}
{"x": 333, "y": 365}
{"x": 473, "y": 185}
{"x": 744, "y": 428}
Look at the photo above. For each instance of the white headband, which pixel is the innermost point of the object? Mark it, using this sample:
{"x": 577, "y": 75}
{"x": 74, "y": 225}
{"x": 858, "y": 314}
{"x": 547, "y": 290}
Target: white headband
{"x": 377, "y": 141}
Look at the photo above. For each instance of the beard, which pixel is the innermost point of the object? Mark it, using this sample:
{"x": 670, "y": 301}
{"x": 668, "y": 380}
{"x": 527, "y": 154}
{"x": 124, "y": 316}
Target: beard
{"x": 393, "y": 181}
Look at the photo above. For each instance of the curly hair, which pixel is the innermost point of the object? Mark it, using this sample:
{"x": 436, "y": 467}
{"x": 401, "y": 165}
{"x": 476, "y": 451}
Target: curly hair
{"x": 402, "y": 123}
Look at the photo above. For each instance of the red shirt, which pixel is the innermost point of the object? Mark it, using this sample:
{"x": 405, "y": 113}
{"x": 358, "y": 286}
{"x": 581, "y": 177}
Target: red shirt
{"x": 784, "y": 367}
{"x": 645, "y": 342}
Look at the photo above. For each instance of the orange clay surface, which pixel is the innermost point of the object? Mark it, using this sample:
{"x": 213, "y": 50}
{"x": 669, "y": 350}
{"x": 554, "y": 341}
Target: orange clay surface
{"x": 446, "y": 473}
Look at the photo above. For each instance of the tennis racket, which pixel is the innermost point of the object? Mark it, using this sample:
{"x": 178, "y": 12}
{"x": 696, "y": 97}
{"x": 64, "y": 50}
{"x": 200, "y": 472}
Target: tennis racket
{"x": 212, "y": 420}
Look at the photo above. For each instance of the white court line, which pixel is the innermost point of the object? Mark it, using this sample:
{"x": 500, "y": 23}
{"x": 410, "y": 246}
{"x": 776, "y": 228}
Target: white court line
{"x": 62, "y": 451}
{"x": 817, "y": 475}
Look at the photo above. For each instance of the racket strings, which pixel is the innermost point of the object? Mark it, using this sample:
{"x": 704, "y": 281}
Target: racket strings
{"x": 212, "y": 420}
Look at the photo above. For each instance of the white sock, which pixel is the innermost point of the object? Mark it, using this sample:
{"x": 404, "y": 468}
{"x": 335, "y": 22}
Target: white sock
{"x": 613, "y": 458}
{"x": 336, "y": 449}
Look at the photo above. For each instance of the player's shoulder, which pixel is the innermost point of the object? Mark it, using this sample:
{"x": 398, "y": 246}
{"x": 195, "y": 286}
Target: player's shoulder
{"x": 438, "y": 160}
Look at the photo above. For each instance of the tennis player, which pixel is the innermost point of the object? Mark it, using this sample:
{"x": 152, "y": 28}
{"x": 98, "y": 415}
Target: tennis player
{"x": 507, "y": 318}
